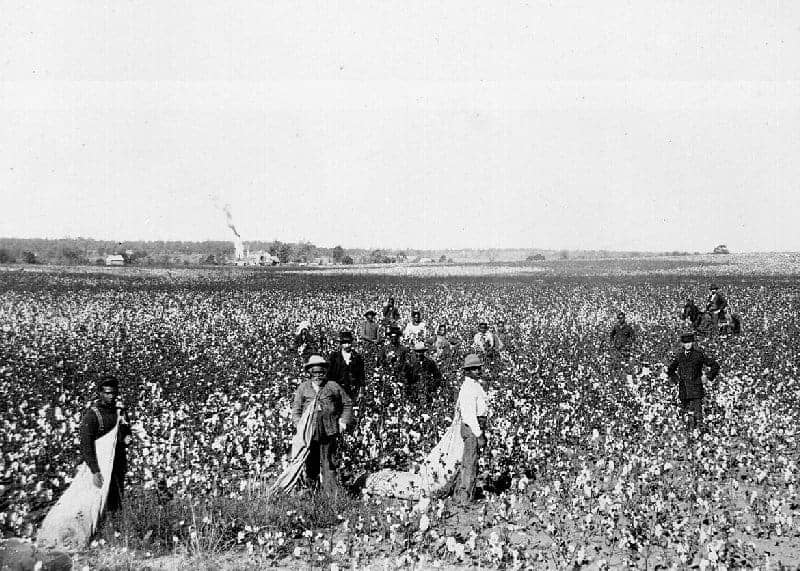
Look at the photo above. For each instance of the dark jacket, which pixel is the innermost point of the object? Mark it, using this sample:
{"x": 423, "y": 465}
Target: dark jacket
{"x": 91, "y": 430}
{"x": 622, "y": 336}
{"x": 397, "y": 359}
{"x": 333, "y": 404}
{"x": 349, "y": 377}
{"x": 716, "y": 302}
{"x": 687, "y": 370}
{"x": 424, "y": 378}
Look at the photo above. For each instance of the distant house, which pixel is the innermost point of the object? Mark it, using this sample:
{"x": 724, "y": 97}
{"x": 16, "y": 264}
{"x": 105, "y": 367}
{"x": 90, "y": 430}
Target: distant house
{"x": 115, "y": 260}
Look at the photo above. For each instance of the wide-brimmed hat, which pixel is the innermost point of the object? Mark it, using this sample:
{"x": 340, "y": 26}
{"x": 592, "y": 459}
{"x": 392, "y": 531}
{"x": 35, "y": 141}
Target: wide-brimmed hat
{"x": 472, "y": 361}
{"x": 370, "y": 312}
{"x": 345, "y": 337}
{"x": 420, "y": 346}
{"x": 687, "y": 337}
{"x": 316, "y": 361}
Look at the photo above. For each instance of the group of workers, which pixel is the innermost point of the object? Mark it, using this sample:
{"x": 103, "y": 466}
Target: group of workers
{"x": 334, "y": 386}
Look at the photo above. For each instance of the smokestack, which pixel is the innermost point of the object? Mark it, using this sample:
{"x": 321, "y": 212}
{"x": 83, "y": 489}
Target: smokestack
{"x": 237, "y": 241}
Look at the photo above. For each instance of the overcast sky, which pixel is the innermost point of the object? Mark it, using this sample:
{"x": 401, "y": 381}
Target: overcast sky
{"x": 597, "y": 125}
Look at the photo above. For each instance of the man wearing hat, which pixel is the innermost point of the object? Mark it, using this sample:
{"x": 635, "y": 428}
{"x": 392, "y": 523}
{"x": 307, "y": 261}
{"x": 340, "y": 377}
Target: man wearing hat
{"x": 368, "y": 329}
{"x": 622, "y": 337}
{"x": 332, "y": 414}
{"x": 473, "y": 407}
{"x": 98, "y": 420}
{"x": 346, "y": 366}
{"x": 687, "y": 370}
{"x": 424, "y": 377}
{"x": 394, "y": 356}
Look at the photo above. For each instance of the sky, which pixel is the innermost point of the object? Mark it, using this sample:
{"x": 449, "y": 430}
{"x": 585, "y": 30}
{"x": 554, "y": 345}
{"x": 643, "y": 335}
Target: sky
{"x": 650, "y": 126}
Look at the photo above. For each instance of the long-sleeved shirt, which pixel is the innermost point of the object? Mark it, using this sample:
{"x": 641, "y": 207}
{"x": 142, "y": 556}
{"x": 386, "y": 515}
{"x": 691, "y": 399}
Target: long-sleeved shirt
{"x": 622, "y": 335}
{"x": 472, "y": 403}
{"x": 415, "y": 331}
{"x": 368, "y": 331}
{"x": 91, "y": 430}
{"x": 483, "y": 341}
{"x": 334, "y": 404}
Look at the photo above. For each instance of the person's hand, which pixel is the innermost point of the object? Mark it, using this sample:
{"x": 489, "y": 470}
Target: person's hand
{"x": 97, "y": 478}
{"x": 342, "y": 425}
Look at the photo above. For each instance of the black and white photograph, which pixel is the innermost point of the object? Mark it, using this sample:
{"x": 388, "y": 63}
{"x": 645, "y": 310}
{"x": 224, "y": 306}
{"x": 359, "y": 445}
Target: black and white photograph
{"x": 399, "y": 285}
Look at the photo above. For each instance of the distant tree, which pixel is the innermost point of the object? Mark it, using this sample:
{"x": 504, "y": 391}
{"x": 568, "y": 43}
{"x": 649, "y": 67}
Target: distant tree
{"x": 401, "y": 256}
{"x": 284, "y": 253}
{"x": 564, "y": 254}
{"x": 6, "y": 257}
{"x": 378, "y": 257}
{"x": 211, "y": 260}
{"x": 347, "y": 260}
{"x": 338, "y": 254}
{"x": 442, "y": 259}
{"x": 534, "y": 258}
{"x": 29, "y": 257}
{"x": 721, "y": 249}
{"x": 72, "y": 256}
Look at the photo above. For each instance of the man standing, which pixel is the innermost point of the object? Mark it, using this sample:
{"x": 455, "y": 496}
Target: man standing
{"x": 368, "y": 330}
{"x": 424, "y": 378}
{"x": 98, "y": 420}
{"x": 394, "y": 356}
{"x": 346, "y": 366}
{"x": 473, "y": 406}
{"x": 416, "y": 329}
{"x": 332, "y": 413}
{"x": 484, "y": 341}
{"x": 622, "y": 337}
{"x": 687, "y": 370}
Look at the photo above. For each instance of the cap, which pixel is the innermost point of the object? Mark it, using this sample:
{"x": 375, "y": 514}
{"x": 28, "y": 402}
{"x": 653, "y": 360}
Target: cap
{"x": 345, "y": 337}
{"x": 472, "y": 361}
{"x": 316, "y": 361}
{"x": 687, "y": 337}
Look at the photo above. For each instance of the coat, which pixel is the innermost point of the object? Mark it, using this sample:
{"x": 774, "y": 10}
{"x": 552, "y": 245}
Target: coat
{"x": 349, "y": 377}
{"x": 334, "y": 404}
{"x": 687, "y": 370}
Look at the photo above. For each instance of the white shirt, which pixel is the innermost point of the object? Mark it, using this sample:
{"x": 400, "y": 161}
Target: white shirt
{"x": 483, "y": 340}
{"x": 413, "y": 332}
{"x": 472, "y": 403}
{"x": 347, "y": 355}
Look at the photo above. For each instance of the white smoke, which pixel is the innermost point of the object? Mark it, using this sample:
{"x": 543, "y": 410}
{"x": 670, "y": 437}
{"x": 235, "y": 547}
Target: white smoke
{"x": 237, "y": 241}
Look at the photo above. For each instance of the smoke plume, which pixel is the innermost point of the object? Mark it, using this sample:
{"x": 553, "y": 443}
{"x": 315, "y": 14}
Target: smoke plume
{"x": 229, "y": 219}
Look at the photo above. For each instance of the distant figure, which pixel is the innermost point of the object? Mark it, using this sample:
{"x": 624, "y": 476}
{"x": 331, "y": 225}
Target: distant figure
{"x": 391, "y": 314}
{"x": 98, "y": 420}
{"x": 716, "y": 304}
{"x": 368, "y": 330}
{"x": 424, "y": 377}
{"x": 304, "y": 343}
{"x": 416, "y": 329}
{"x": 502, "y": 337}
{"x": 394, "y": 356}
{"x": 686, "y": 370}
{"x": 691, "y": 313}
{"x": 622, "y": 336}
{"x": 346, "y": 367}
{"x": 442, "y": 348}
{"x": 484, "y": 340}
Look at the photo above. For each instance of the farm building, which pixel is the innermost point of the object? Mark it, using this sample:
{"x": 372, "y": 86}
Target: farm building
{"x": 115, "y": 260}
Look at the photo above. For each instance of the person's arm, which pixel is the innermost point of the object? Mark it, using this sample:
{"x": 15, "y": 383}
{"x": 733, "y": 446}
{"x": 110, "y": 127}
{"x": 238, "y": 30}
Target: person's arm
{"x": 297, "y": 407}
{"x": 713, "y": 367}
{"x": 672, "y": 369}
{"x": 89, "y": 430}
{"x": 358, "y": 373}
{"x": 332, "y": 373}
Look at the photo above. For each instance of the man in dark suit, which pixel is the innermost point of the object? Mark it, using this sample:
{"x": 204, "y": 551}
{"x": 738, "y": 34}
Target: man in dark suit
{"x": 346, "y": 366}
{"x": 687, "y": 370}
